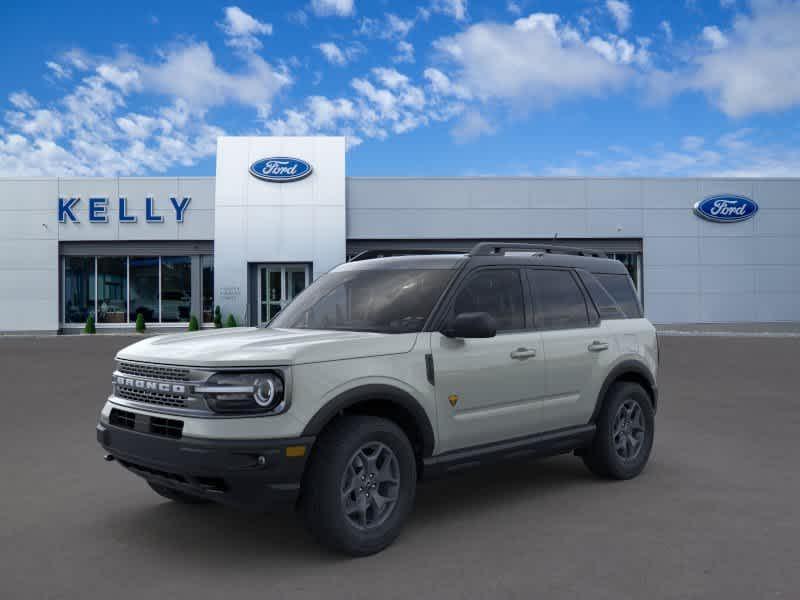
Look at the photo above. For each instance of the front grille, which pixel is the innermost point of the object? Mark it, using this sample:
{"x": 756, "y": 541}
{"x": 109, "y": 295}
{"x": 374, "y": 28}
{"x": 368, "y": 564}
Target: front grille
{"x": 154, "y": 371}
{"x": 166, "y": 427}
{"x": 122, "y": 418}
{"x": 151, "y": 397}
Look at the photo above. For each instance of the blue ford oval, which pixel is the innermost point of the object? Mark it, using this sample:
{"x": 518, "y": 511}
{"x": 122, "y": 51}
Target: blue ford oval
{"x": 726, "y": 208}
{"x": 280, "y": 169}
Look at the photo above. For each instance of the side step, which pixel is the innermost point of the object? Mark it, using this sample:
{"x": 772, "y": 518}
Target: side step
{"x": 540, "y": 445}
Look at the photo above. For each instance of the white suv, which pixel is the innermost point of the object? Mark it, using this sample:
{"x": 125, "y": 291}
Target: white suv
{"x": 387, "y": 371}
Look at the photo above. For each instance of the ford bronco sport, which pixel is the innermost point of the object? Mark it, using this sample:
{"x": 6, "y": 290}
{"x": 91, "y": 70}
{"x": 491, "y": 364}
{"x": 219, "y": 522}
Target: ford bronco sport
{"x": 388, "y": 371}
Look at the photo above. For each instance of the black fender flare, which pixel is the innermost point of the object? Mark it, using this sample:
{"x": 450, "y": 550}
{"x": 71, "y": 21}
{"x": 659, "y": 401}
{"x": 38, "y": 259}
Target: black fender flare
{"x": 626, "y": 368}
{"x": 400, "y": 398}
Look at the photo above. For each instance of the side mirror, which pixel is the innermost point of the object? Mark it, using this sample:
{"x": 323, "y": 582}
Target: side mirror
{"x": 471, "y": 325}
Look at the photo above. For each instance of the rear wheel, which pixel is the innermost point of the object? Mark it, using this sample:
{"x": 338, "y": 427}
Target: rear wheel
{"x": 175, "y": 495}
{"x": 625, "y": 431}
{"x": 360, "y": 485}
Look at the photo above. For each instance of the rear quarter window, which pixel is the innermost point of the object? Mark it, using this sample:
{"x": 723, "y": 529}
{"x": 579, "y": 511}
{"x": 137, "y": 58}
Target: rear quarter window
{"x": 620, "y": 287}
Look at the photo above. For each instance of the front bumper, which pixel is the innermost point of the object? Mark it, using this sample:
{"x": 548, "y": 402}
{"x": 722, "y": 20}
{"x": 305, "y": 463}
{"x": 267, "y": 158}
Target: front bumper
{"x": 250, "y": 474}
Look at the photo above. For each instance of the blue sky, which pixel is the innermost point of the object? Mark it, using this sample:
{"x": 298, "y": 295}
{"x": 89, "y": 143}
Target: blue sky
{"x": 435, "y": 87}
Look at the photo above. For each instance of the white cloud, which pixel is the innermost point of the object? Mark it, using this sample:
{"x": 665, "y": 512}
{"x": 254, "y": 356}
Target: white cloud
{"x": 754, "y": 67}
{"x": 513, "y": 8}
{"x": 453, "y": 8}
{"x": 385, "y": 101}
{"x": 58, "y": 70}
{"x": 441, "y": 85}
{"x": 537, "y": 60}
{"x": 692, "y": 143}
{"x": 191, "y": 73}
{"x": 666, "y": 28}
{"x": 727, "y": 3}
{"x": 339, "y": 56}
{"x": 735, "y": 154}
{"x": 405, "y": 52}
{"x": 243, "y": 29}
{"x": 391, "y": 27}
{"x": 339, "y": 8}
{"x": 471, "y": 126}
{"x": 621, "y": 11}
{"x": 715, "y": 37}
{"x": 22, "y": 100}
{"x": 90, "y": 131}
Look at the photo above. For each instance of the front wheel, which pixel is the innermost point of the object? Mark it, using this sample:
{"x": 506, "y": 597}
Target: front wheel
{"x": 625, "y": 431}
{"x": 360, "y": 485}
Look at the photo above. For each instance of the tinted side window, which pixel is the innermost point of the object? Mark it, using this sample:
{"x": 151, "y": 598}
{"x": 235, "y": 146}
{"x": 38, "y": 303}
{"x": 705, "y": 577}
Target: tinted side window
{"x": 606, "y": 305}
{"x": 621, "y": 289}
{"x": 497, "y": 292}
{"x": 558, "y": 302}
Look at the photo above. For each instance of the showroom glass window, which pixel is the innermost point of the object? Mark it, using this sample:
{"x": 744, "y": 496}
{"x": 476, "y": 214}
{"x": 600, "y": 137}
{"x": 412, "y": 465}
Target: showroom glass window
{"x": 207, "y": 269}
{"x": 112, "y": 289}
{"x": 78, "y": 288}
{"x": 144, "y": 288}
{"x": 176, "y": 288}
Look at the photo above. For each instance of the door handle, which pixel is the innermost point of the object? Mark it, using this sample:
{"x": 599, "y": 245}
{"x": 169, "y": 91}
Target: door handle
{"x": 598, "y": 346}
{"x": 523, "y": 353}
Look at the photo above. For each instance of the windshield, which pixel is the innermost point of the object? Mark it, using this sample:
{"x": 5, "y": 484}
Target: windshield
{"x": 385, "y": 301}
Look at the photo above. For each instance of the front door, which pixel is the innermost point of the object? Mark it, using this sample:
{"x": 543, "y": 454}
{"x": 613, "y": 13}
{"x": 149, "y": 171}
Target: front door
{"x": 277, "y": 286}
{"x": 489, "y": 389}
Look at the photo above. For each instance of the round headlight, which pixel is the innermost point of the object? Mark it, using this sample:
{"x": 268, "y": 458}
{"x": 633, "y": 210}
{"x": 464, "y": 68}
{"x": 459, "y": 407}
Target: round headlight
{"x": 264, "y": 392}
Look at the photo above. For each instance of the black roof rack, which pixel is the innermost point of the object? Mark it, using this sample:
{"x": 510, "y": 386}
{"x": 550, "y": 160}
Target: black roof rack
{"x": 493, "y": 248}
{"x": 377, "y": 253}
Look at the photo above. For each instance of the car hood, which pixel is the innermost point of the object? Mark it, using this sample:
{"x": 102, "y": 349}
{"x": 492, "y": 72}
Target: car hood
{"x": 251, "y": 346}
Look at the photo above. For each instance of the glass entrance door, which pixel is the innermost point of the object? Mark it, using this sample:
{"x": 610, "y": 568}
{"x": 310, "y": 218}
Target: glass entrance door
{"x": 277, "y": 286}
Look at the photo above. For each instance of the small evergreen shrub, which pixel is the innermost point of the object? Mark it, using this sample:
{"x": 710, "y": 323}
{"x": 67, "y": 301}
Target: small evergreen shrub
{"x": 217, "y": 317}
{"x": 89, "y": 327}
{"x": 140, "y": 326}
{"x": 231, "y": 322}
{"x": 193, "y": 326}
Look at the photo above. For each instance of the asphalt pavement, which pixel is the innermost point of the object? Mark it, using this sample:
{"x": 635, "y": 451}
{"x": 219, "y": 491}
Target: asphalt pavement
{"x": 716, "y": 514}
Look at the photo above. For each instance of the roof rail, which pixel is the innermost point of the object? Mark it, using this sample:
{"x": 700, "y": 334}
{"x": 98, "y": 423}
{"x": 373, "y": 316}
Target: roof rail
{"x": 492, "y": 248}
{"x": 378, "y": 253}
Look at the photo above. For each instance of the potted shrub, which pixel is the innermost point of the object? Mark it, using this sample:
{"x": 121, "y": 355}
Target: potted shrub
{"x": 89, "y": 327}
{"x": 140, "y": 326}
{"x": 217, "y": 317}
{"x": 231, "y": 322}
{"x": 193, "y": 326}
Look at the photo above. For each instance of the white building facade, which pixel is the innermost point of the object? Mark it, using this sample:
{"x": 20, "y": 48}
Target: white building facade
{"x": 281, "y": 211}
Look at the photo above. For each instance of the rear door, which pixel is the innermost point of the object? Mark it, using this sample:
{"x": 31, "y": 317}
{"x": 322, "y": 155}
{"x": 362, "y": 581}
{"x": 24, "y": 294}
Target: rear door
{"x": 488, "y": 389}
{"x": 577, "y": 347}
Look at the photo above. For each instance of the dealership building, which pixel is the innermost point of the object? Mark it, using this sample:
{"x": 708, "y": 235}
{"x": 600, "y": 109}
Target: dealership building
{"x": 281, "y": 211}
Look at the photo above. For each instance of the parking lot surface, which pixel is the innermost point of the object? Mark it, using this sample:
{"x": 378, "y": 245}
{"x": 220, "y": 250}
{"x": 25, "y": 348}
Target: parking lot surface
{"x": 715, "y": 515}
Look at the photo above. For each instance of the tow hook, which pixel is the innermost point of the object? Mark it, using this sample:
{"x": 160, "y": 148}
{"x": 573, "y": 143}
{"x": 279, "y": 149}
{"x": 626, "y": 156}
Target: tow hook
{"x": 108, "y": 458}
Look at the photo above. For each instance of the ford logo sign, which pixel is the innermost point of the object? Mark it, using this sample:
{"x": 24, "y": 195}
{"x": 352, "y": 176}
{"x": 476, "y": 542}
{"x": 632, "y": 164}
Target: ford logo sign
{"x": 726, "y": 209}
{"x": 280, "y": 169}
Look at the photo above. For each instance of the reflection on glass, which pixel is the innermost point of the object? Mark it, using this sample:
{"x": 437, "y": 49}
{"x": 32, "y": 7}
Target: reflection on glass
{"x": 631, "y": 264}
{"x": 112, "y": 305}
{"x": 275, "y": 285}
{"x": 176, "y": 288}
{"x": 144, "y": 288}
{"x": 207, "y": 266}
{"x": 295, "y": 282}
{"x": 78, "y": 288}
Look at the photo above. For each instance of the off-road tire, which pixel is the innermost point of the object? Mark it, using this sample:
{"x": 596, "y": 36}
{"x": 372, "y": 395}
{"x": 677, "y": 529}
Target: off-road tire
{"x": 324, "y": 498}
{"x": 604, "y": 457}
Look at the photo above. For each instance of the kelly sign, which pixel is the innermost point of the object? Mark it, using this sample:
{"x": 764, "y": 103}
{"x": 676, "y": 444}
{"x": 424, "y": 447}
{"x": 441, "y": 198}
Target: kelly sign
{"x": 98, "y": 210}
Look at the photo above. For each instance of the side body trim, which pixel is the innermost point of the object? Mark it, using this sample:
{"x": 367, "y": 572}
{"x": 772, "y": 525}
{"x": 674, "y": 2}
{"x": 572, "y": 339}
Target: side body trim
{"x": 624, "y": 368}
{"x": 541, "y": 444}
{"x": 385, "y": 393}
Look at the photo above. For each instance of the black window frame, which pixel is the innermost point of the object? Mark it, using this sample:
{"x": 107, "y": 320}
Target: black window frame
{"x": 592, "y": 315}
{"x": 453, "y": 292}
